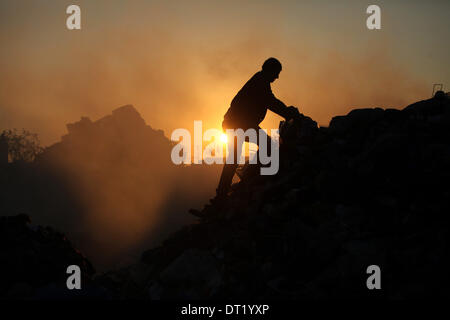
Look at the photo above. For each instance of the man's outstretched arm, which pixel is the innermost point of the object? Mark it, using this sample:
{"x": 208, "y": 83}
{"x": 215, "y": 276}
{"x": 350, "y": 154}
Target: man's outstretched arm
{"x": 281, "y": 109}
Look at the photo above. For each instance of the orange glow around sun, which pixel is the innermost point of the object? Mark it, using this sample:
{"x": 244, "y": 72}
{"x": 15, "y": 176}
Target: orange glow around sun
{"x": 223, "y": 138}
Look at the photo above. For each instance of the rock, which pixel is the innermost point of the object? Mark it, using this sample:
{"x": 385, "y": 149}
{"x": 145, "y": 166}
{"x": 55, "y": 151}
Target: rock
{"x": 32, "y": 257}
{"x": 193, "y": 266}
{"x": 140, "y": 273}
{"x": 20, "y": 290}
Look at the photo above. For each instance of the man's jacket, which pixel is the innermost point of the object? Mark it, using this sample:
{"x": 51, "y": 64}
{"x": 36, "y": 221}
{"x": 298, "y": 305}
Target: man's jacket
{"x": 249, "y": 107}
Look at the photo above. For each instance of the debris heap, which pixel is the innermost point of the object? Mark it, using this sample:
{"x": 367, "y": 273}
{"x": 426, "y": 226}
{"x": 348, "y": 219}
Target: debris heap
{"x": 370, "y": 189}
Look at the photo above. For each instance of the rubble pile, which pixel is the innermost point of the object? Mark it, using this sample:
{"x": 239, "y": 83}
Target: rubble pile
{"x": 34, "y": 261}
{"x": 370, "y": 189}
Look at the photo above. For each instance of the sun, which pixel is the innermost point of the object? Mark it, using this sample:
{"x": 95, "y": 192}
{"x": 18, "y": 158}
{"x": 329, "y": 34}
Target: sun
{"x": 223, "y": 138}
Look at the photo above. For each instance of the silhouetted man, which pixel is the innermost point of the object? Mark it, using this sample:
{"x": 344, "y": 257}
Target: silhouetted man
{"x": 248, "y": 109}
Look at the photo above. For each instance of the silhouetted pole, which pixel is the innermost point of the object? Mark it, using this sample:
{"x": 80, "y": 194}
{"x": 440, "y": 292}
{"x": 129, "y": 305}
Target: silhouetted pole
{"x": 3, "y": 151}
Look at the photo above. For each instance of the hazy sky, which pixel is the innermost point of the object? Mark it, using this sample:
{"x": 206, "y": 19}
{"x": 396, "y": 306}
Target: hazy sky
{"x": 180, "y": 61}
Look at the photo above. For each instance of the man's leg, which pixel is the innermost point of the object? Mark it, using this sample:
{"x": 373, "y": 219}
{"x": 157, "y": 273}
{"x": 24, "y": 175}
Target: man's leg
{"x": 268, "y": 139}
{"x": 226, "y": 178}
{"x": 229, "y": 169}
{"x": 264, "y": 136}
{"x": 253, "y": 169}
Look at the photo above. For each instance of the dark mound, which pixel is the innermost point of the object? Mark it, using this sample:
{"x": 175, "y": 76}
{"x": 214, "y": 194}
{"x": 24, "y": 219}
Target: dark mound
{"x": 34, "y": 261}
{"x": 370, "y": 189}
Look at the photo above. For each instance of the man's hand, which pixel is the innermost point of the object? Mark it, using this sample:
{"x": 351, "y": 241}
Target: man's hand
{"x": 292, "y": 113}
{"x": 281, "y": 109}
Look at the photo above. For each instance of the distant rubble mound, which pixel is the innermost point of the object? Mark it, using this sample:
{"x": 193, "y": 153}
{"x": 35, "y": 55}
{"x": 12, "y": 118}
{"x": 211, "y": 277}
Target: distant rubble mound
{"x": 370, "y": 189}
{"x": 121, "y": 121}
{"x": 123, "y": 130}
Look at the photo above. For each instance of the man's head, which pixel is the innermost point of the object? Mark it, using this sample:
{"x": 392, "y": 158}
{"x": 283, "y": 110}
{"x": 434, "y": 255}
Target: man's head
{"x": 271, "y": 69}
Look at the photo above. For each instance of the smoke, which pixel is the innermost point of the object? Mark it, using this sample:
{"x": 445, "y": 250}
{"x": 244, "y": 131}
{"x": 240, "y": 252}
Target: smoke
{"x": 173, "y": 74}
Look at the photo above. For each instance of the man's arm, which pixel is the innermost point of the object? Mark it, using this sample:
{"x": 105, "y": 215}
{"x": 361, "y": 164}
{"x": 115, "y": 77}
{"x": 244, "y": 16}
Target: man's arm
{"x": 281, "y": 109}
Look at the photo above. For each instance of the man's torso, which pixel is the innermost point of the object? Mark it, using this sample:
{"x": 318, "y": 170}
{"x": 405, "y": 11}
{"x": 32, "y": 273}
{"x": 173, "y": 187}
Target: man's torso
{"x": 249, "y": 107}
